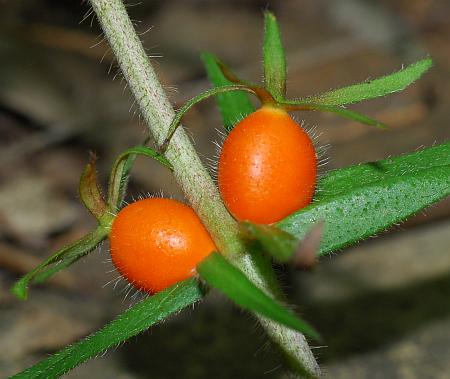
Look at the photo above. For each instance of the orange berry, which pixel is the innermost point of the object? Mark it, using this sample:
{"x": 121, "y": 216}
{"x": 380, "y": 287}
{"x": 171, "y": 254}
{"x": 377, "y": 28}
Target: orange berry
{"x": 267, "y": 167}
{"x": 157, "y": 242}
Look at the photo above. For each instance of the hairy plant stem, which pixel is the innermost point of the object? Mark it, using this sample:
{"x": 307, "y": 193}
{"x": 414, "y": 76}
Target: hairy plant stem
{"x": 192, "y": 176}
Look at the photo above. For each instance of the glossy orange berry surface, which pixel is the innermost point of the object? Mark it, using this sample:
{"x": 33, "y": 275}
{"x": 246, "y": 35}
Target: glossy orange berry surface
{"x": 157, "y": 242}
{"x": 267, "y": 167}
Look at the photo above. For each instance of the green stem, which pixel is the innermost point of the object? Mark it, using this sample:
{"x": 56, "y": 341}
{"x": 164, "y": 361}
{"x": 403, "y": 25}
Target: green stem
{"x": 120, "y": 171}
{"x": 205, "y": 95}
{"x": 189, "y": 172}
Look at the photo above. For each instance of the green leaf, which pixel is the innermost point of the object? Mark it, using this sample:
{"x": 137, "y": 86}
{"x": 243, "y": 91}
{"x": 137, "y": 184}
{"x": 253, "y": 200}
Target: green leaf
{"x": 225, "y": 277}
{"x": 90, "y": 192}
{"x": 132, "y": 322}
{"x": 351, "y": 115}
{"x": 120, "y": 172}
{"x": 276, "y": 242}
{"x": 233, "y": 105}
{"x": 359, "y": 201}
{"x": 274, "y": 58}
{"x": 346, "y": 113}
{"x": 386, "y": 85}
{"x": 60, "y": 260}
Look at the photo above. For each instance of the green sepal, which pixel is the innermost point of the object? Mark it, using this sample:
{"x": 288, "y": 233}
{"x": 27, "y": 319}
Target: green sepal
{"x": 90, "y": 192}
{"x": 274, "y": 58}
{"x": 217, "y": 272}
{"x": 130, "y": 323}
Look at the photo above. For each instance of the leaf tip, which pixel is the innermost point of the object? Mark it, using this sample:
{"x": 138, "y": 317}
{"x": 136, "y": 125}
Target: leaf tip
{"x": 428, "y": 62}
{"x": 382, "y": 126}
{"x": 421, "y": 66}
{"x": 20, "y": 290}
{"x": 206, "y": 56}
{"x": 269, "y": 16}
{"x": 93, "y": 157}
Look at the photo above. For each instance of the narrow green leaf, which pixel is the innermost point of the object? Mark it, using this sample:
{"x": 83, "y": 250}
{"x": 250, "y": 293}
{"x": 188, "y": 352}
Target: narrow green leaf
{"x": 385, "y": 85}
{"x": 276, "y": 242}
{"x": 120, "y": 172}
{"x": 343, "y": 112}
{"x": 132, "y": 322}
{"x": 351, "y": 115}
{"x": 225, "y": 277}
{"x": 59, "y": 260}
{"x": 359, "y": 201}
{"x": 274, "y": 58}
{"x": 233, "y": 106}
{"x": 90, "y": 192}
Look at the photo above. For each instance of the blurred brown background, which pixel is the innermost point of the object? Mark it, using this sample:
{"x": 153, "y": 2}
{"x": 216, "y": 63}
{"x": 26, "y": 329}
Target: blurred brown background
{"x": 382, "y": 306}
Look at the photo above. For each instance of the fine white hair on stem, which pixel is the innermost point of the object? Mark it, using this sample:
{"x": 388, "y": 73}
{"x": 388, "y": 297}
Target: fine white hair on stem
{"x": 106, "y": 52}
{"x": 89, "y": 13}
{"x": 136, "y": 111}
{"x": 152, "y": 54}
{"x": 111, "y": 66}
{"x": 132, "y": 106}
{"x": 101, "y": 39}
{"x": 140, "y": 34}
{"x": 130, "y": 5}
{"x": 272, "y": 370}
{"x": 117, "y": 72}
{"x": 171, "y": 88}
{"x": 125, "y": 87}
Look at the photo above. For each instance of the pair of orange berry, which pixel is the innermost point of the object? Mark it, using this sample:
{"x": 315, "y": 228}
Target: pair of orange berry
{"x": 267, "y": 170}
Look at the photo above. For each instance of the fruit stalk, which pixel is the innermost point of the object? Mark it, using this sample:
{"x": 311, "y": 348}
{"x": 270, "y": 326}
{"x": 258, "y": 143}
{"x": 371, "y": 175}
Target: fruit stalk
{"x": 189, "y": 172}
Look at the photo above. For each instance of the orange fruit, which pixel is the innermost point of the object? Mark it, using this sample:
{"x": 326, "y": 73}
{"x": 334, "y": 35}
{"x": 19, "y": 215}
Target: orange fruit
{"x": 158, "y": 242}
{"x": 267, "y": 167}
